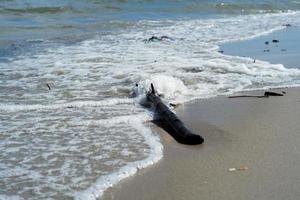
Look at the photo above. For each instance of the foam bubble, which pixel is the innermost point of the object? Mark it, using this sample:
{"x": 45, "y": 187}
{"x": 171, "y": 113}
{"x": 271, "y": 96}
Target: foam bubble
{"x": 168, "y": 86}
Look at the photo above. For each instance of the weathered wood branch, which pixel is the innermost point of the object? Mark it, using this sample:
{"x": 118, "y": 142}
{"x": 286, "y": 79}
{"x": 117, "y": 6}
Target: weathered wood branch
{"x": 167, "y": 120}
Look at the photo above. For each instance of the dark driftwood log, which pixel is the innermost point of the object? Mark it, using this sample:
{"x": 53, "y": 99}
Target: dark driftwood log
{"x": 167, "y": 120}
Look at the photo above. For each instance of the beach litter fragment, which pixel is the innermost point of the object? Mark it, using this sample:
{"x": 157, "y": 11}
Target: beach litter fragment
{"x": 287, "y": 25}
{"x": 48, "y": 85}
{"x": 174, "y": 105}
{"x": 157, "y": 39}
{"x": 242, "y": 168}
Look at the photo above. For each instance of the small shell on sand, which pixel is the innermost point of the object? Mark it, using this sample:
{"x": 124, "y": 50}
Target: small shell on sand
{"x": 243, "y": 168}
{"x": 232, "y": 169}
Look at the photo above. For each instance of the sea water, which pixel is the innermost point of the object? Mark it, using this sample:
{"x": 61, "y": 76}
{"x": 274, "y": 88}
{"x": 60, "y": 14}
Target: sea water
{"x": 67, "y": 69}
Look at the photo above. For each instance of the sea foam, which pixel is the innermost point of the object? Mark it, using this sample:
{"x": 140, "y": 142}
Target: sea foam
{"x": 85, "y": 135}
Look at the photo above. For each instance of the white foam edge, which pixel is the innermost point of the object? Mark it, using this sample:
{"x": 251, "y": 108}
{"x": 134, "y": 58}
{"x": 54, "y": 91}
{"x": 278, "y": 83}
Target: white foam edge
{"x": 252, "y": 36}
{"x": 74, "y": 104}
{"x": 97, "y": 189}
{"x": 11, "y": 197}
{"x": 267, "y": 32}
{"x": 112, "y": 121}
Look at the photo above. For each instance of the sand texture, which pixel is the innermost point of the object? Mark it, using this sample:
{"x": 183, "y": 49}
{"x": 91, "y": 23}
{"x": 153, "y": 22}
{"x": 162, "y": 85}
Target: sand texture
{"x": 258, "y": 137}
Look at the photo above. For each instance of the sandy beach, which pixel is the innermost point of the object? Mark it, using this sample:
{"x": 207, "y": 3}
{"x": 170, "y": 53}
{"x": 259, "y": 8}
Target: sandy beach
{"x": 74, "y": 76}
{"x": 260, "y": 136}
{"x": 251, "y": 148}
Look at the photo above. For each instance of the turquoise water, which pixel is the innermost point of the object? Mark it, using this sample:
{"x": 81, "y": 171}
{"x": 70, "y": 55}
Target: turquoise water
{"x": 67, "y": 69}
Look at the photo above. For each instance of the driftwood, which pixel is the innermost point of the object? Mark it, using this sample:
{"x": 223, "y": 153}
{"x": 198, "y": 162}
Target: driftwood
{"x": 167, "y": 120}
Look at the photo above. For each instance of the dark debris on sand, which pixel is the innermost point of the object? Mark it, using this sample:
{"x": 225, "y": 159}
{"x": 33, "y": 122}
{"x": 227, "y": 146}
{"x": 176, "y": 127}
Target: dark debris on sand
{"x": 158, "y": 39}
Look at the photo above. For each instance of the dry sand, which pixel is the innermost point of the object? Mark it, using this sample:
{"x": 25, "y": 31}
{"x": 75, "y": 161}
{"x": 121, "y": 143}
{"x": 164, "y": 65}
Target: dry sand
{"x": 261, "y": 134}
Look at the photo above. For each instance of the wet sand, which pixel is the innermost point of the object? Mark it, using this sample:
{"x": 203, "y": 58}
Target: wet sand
{"x": 285, "y": 51}
{"x": 260, "y": 135}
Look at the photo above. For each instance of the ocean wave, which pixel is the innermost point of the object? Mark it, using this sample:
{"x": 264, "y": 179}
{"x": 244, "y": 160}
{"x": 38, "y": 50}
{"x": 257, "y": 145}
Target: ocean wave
{"x": 37, "y": 10}
{"x": 75, "y": 104}
{"x": 185, "y": 68}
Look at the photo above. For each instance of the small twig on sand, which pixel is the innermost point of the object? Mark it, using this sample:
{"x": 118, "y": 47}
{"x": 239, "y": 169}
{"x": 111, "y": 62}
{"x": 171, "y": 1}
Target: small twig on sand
{"x": 274, "y": 94}
{"x": 256, "y": 96}
{"x": 266, "y": 95}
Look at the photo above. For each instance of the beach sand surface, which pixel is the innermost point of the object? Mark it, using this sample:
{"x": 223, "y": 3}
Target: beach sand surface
{"x": 259, "y": 136}
{"x": 285, "y": 51}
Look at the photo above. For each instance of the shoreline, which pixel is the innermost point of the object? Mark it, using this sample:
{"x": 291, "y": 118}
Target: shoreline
{"x": 150, "y": 183}
{"x": 70, "y": 127}
{"x": 284, "y": 49}
{"x": 233, "y": 139}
